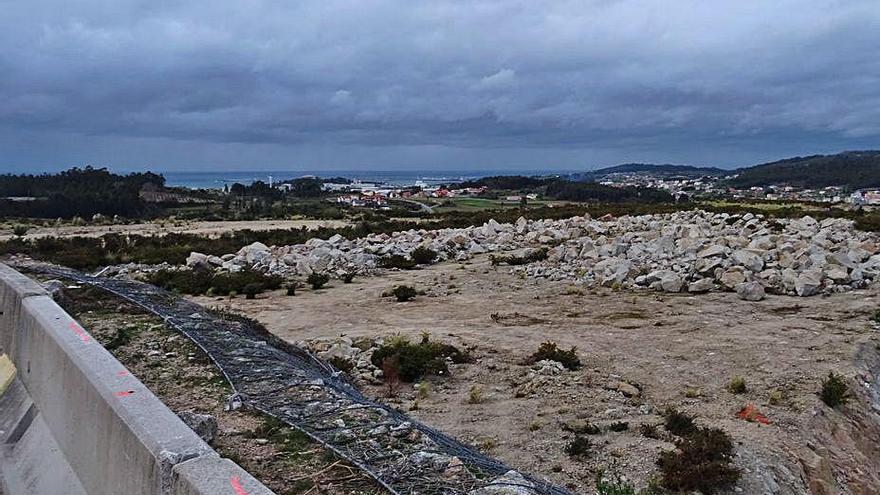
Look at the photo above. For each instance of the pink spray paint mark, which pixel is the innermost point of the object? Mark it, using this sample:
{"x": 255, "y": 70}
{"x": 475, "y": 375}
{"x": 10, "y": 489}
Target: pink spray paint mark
{"x": 122, "y": 373}
{"x": 124, "y": 393}
{"x": 236, "y": 486}
{"x": 78, "y": 331}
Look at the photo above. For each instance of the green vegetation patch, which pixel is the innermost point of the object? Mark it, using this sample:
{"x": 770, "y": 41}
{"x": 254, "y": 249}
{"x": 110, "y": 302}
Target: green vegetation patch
{"x": 197, "y": 282}
{"x": 415, "y": 360}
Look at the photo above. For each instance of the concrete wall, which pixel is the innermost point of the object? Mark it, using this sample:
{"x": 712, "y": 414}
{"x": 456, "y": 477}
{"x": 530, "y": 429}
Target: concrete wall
{"x": 75, "y": 421}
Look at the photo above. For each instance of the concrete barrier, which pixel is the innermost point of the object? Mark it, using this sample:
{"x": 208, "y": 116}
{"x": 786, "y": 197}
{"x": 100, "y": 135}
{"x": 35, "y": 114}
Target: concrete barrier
{"x": 75, "y": 421}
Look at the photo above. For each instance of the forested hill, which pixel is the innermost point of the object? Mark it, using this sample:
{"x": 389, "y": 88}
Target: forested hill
{"x": 852, "y": 169}
{"x": 649, "y": 168}
{"x": 76, "y": 192}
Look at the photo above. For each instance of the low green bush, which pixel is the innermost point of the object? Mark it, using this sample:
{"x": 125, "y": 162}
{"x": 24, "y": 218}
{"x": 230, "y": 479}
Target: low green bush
{"x": 678, "y": 423}
{"x": 834, "y": 390}
{"x": 20, "y": 230}
{"x": 404, "y": 293}
{"x": 580, "y": 446}
{"x": 702, "y": 461}
{"x": 737, "y": 385}
{"x": 415, "y": 360}
{"x": 197, "y": 282}
{"x": 423, "y": 255}
{"x": 397, "y": 261}
{"x": 251, "y": 290}
{"x": 618, "y": 426}
{"x": 549, "y": 350}
{"x": 317, "y": 280}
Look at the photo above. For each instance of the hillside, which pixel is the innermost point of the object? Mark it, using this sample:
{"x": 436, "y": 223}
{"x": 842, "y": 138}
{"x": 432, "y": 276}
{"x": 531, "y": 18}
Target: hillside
{"x": 654, "y": 169}
{"x": 852, "y": 169}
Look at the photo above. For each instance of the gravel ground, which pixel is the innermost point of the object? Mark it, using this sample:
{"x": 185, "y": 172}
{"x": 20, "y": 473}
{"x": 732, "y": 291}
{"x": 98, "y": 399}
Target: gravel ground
{"x": 678, "y": 350}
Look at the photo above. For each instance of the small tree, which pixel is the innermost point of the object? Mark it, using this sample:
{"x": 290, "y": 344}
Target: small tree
{"x": 317, "y": 280}
{"x": 291, "y": 289}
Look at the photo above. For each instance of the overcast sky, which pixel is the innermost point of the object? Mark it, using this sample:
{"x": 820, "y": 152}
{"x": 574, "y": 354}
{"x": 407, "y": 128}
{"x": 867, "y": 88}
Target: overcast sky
{"x": 476, "y": 84}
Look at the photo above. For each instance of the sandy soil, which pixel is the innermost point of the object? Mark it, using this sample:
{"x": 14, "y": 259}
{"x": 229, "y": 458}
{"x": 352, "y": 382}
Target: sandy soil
{"x": 680, "y": 350}
{"x": 162, "y": 228}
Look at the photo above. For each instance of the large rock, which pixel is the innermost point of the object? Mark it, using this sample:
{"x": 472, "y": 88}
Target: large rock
{"x": 669, "y": 280}
{"x": 701, "y": 285}
{"x": 510, "y": 483}
{"x": 808, "y": 283}
{"x": 748, "y": 259}
{"x": 731, "y": 278}
{"x": 750, "y": 291}
{"x": 713, "y": 250}
{"x": 198, "y": 261}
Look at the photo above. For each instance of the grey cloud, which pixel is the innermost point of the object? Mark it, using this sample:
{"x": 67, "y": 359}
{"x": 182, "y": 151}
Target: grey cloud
{"x": 625, "y": 75}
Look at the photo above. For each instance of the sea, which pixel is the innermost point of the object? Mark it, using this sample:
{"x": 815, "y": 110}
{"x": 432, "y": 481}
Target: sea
{"x": 216, "y": 180}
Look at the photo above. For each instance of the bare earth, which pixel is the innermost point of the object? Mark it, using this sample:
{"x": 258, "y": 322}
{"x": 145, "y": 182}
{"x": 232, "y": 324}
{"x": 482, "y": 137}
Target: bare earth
{"x": 162, "y": 228}
{"x": 666, "y": 345}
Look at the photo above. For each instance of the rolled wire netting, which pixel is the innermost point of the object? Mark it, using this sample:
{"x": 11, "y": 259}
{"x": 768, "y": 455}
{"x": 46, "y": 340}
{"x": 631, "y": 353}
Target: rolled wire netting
{"x": 292, "y": 385}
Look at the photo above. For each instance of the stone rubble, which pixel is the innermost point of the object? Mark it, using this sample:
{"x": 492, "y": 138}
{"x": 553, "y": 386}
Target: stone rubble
{"x": 688, "y": 251}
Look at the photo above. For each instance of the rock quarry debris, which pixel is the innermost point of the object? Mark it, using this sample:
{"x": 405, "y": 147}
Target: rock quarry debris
{"x": 688, "y": 251}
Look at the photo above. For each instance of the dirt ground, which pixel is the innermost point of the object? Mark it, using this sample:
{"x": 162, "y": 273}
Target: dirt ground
{"x": 166, "y": 227}
{"x": 679, "y": 350}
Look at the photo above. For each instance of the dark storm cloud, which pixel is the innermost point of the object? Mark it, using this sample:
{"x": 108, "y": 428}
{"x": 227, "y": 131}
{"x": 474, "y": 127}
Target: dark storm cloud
{"x": 634, "y": 77}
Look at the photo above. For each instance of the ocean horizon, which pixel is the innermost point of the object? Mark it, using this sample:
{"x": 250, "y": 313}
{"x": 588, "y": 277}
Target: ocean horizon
{"x": 216, "y": 180}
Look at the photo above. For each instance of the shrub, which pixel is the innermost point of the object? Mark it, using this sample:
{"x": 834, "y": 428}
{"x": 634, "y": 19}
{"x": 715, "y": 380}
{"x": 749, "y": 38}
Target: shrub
{"x": 834, "y": 390}
{"x": 649, "y": 431}
{"x": 397, "y": 261}
{"x": 774, "y": 397}
{"x": 196, "y": 282}
{"x": 251, "y": 291}
{"x": 475, "y": 395}
{"x": 619, "y": 487}
{"x": 391, "y": 373}
{"x": 701, "y": 462}
{"x": 317, "y": 280}
{"x": 619, "y": 426}
{"x": 581, "y": 428}
{"x": 693, "y": 392}
{"x": 549, "y": 350}
{"x": 291, "y": 289}
{"x": 423, "y": 255}
{"x": 578, "y": 447}
{"x": 737, "y": 385}
{"x": 417, "y": 360}
{"x": 19, "y": 230}
{"x": 403, "y": 293}
{"x": 348, "y": 277}
{"x": 678, "y": 423}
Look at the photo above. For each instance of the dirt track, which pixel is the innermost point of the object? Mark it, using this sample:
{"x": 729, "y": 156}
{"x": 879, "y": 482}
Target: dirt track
{"x": 668, "y": 345}
{"x": 162, "y": 228}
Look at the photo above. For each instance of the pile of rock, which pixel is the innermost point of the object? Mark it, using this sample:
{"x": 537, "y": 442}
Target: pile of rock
{"x": 355, "y": 352}
{"x": 693, "y": 251}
